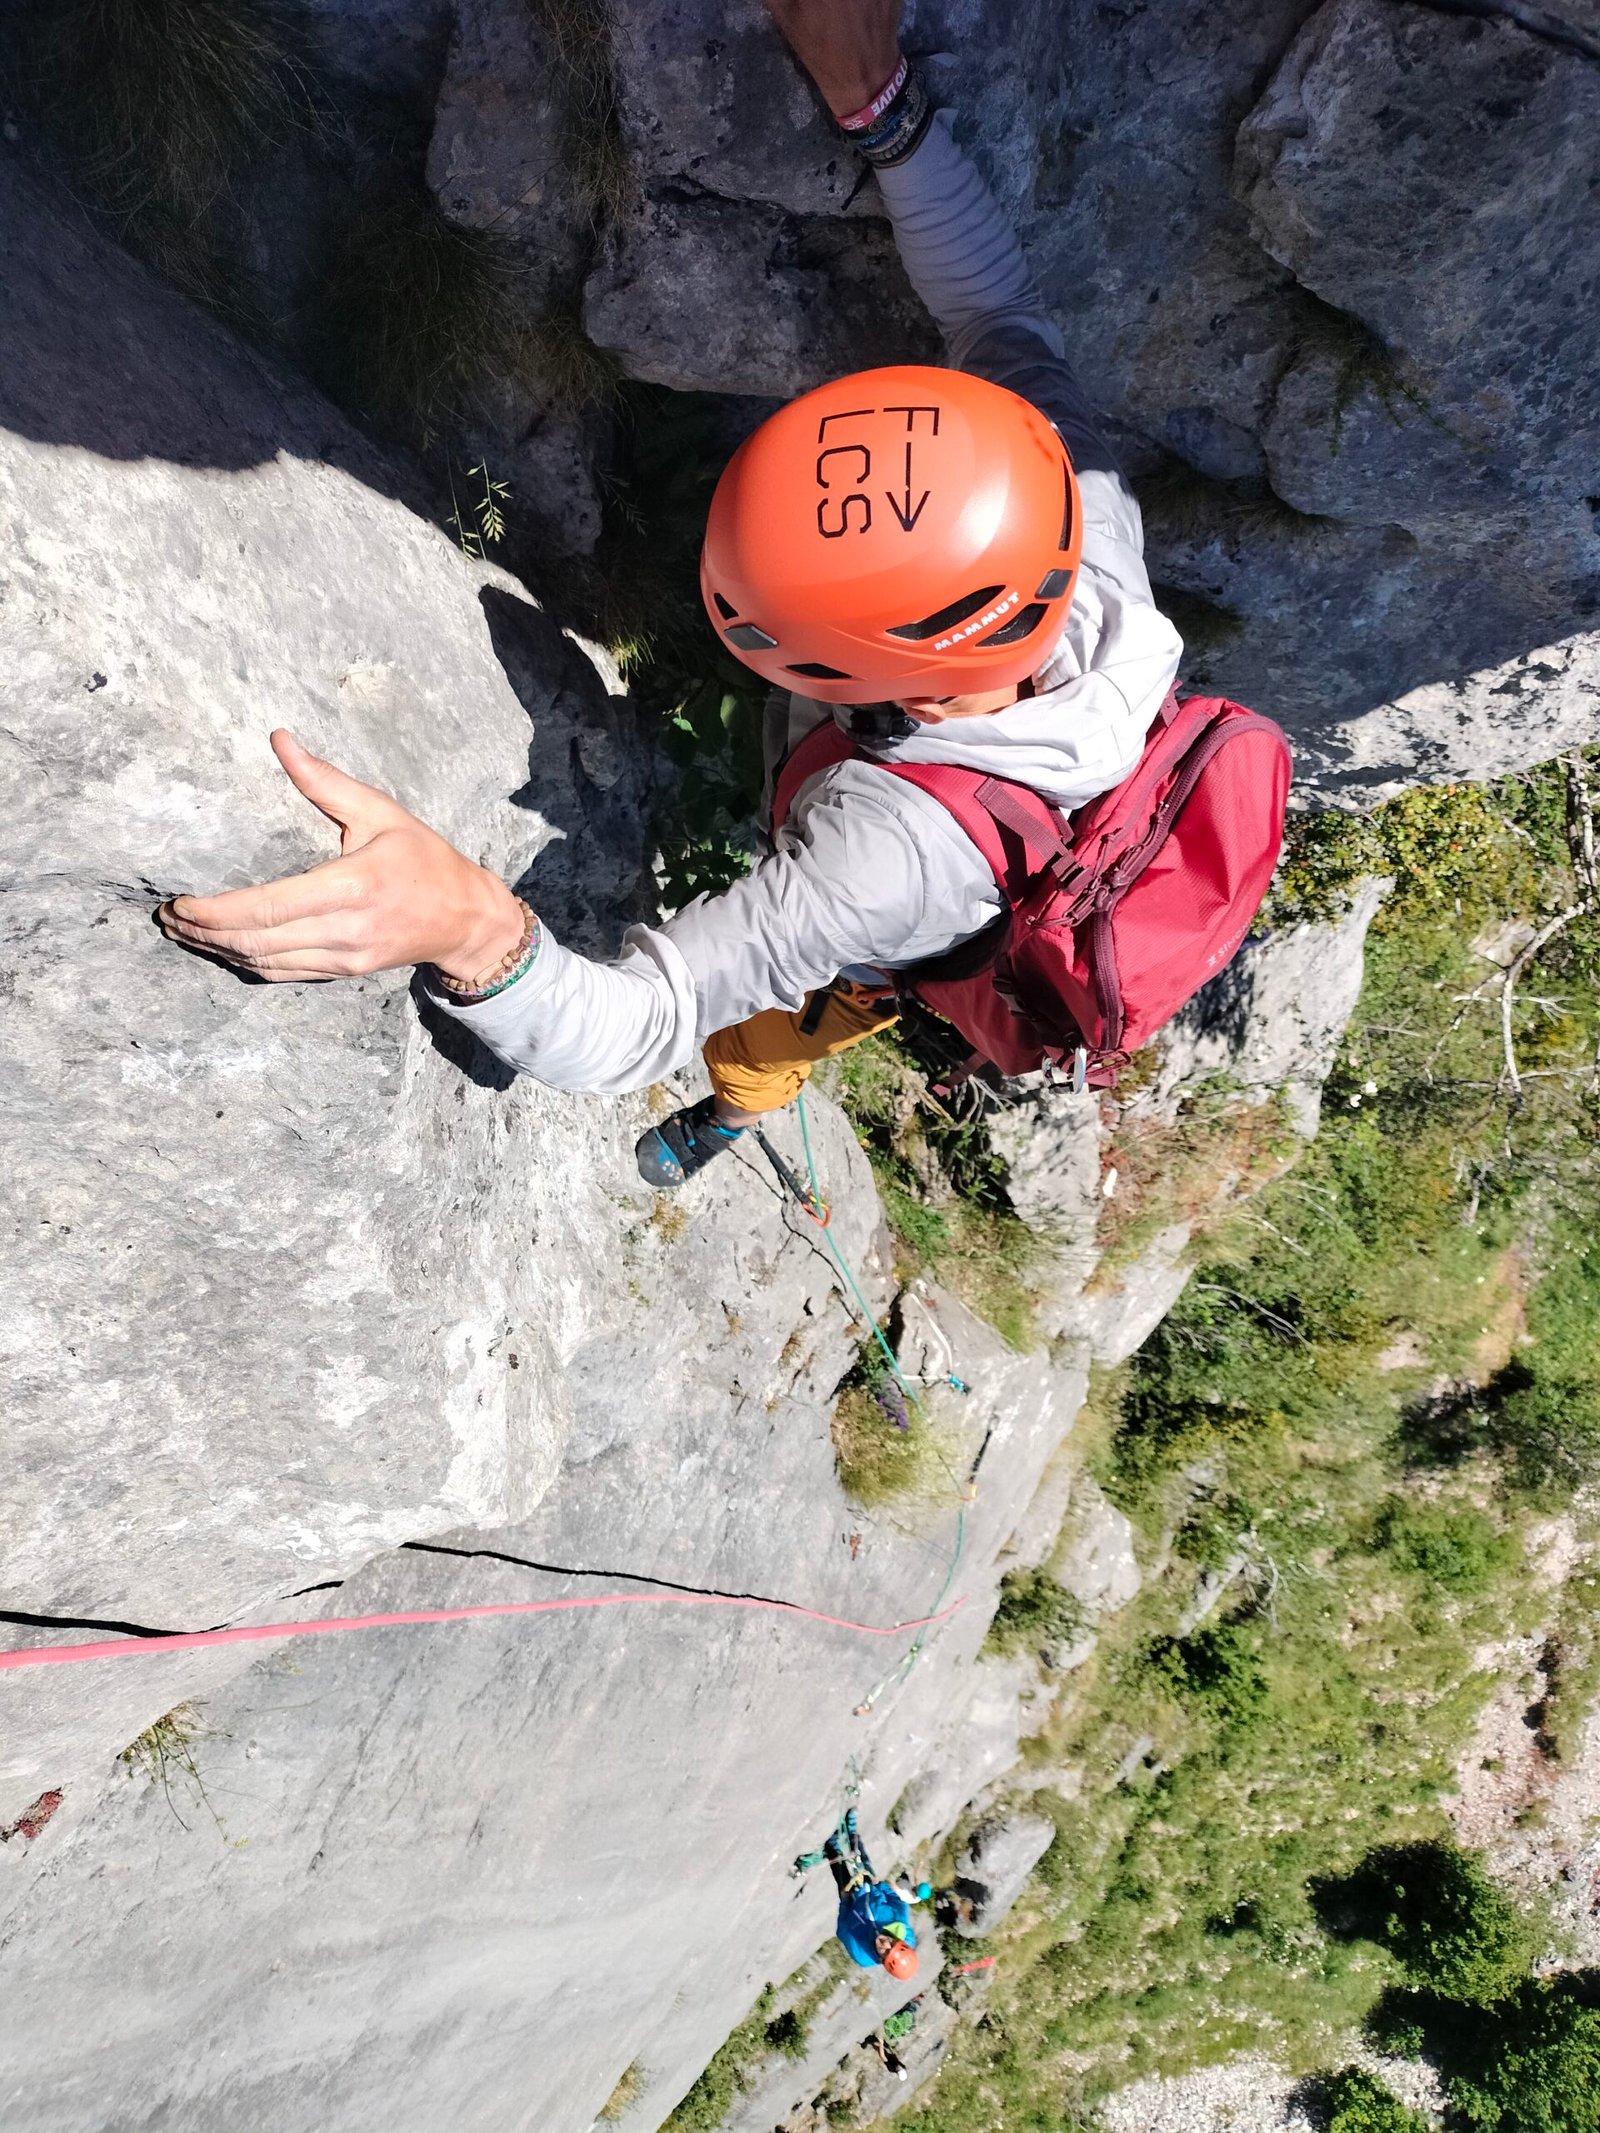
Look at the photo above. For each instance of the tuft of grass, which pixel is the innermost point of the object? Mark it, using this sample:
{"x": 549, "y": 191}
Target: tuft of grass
{"x": 1361, "y": 363}
{"x": 1185, "y": 505}
{"x": 941, "y": 1191}
{"x": 155, "y": 106}
{"x": 669, "y": 1217}
{"x": 1209, "y": 629}
{"x": 1033, "y": 1613}
{"x": 885, "y": 1448}
{"x": 579, "y": 36}
{"x": 164, "y": 1755}
{"x": 422, "y": 316}
{"x": 630, "y": 2087}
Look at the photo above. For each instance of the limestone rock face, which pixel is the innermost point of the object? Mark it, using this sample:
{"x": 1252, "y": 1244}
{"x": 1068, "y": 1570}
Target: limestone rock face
{"x": 501, "y": 155}
{"x": 1326, "y": 270}
{"x": 294, "y": 1273}
{"x": 1097, "y": 1562}
{"x": 996, "y": 1867}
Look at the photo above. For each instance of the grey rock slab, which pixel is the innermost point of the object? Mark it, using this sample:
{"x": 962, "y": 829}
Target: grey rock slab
{"x": 1096, "y": 1561}
{"x": 995, "y": 1867}
{"x": 274, "y": 1250}
{"x": 851, "y": 2011}
{"x": 299, "y": 1273}
{"x": 502, "y": 158}
{"x": 703, "y": 295}
{"x": 447, "y": 1828}
{"x": 711, "y": 98}
{"x": 1039, "y": 1528}
{"x": 1125, "y": 1304}
{"x": 1491, "y": 137}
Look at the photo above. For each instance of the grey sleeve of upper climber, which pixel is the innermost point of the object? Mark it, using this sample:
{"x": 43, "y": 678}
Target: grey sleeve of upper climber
{"x": 869, "y": 871}
{"x": 965, "y": 263}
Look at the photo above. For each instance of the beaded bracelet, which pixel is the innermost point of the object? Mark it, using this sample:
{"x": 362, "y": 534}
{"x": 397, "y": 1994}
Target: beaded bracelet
{"x": 506, "y": 972}
{"x": 892, "y": 125}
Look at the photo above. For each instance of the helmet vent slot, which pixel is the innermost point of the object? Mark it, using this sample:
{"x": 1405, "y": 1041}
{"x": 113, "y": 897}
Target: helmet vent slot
{"x": 1053, "y": 584}
{"x": 1018, "y": 627}
{"x": 814, "y": 670}
{"x": 745, "y": 637}
{"x": 1066, "y": 507}
{"x": 947, "y": 617}
{"x": 723, "y": 609}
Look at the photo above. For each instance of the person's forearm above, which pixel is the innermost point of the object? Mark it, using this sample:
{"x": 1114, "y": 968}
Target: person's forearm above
{"x": 960, "y": 251}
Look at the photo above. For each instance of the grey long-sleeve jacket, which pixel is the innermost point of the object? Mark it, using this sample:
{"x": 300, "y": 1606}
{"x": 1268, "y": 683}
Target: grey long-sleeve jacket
{"x": 869, "y": 870}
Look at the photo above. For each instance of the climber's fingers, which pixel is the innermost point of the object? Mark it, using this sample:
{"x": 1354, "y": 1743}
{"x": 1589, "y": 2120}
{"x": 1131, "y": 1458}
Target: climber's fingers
{"x": 360, "y": 810}
{"x": 340, "y": 931}
{"x": 305, "y": 969}
{"x": 324, "y": 897}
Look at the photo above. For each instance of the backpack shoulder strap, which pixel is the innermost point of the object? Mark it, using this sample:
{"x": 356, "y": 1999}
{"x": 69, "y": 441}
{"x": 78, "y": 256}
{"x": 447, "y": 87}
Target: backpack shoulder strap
{"x": 1018, "y": 832}
{"x": 826, "y": 744}
{"x": 1016, "y": 829}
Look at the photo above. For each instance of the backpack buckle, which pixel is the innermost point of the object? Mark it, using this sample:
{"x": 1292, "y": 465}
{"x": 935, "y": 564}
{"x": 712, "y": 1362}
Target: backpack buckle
{"x": 1080, "y": 1070}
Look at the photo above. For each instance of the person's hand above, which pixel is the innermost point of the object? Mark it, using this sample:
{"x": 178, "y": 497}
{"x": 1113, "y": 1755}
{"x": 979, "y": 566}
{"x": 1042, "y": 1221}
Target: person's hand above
{"x": 397, "y": 895}
{"x": 848, "y": 47}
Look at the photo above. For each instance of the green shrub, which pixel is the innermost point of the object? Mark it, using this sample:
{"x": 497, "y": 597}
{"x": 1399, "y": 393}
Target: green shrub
{"x": 1533, "y": 2067}
{"x": 1357, "y": 2102}
{"x": 1453, "y": 1931}
{"x": 1546, "y": 1425}
{"x": 1445, "y": 847}
{"x": 1458, "y": 1549}
{"x": 1033, "y": 1613}
{"x": 1217, "y": 1670}
{"x": 788, "y": 2033}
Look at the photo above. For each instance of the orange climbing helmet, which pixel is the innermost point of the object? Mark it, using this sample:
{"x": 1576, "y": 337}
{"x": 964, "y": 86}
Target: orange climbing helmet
{"x": 898, "y": 533}
{"x": 900, "y": 1961}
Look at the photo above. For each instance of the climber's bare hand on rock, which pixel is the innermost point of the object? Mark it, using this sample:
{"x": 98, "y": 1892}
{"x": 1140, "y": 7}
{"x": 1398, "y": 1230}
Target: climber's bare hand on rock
{"x": 848, "y": 47}
{"x": 398, "y": 894}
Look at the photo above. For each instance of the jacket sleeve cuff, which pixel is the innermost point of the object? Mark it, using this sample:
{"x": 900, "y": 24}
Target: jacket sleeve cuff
{"x": 506, "y": 1013}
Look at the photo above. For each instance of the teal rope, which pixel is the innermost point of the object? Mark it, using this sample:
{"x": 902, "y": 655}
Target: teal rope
{"x": 838, "y": 1259}
{"x": 896, "y": 1673}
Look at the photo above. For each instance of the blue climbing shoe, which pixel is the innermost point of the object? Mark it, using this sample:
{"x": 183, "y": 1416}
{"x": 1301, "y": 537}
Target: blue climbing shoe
{"x": 682, "y": 1144}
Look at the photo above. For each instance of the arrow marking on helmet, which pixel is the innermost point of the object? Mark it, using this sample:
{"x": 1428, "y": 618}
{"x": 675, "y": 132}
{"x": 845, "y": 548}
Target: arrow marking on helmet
{"x": 907, "y": 517}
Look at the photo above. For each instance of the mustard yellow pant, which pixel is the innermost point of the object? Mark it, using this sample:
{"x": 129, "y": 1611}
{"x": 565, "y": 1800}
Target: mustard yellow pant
{"x": 763, "y": 1064}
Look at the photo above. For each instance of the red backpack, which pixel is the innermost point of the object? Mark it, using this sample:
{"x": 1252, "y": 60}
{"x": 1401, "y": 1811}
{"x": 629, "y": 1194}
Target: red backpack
{"x": 1115, "y": 918}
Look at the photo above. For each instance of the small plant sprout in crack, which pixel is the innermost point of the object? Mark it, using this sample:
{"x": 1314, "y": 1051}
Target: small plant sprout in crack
{"x": 483, "y": 524}
{"x": 164, "y": 1755}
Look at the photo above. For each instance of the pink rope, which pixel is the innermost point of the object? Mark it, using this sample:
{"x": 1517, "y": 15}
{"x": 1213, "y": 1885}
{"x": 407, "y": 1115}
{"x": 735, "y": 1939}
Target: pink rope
{"x": 248, "y": 1633}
